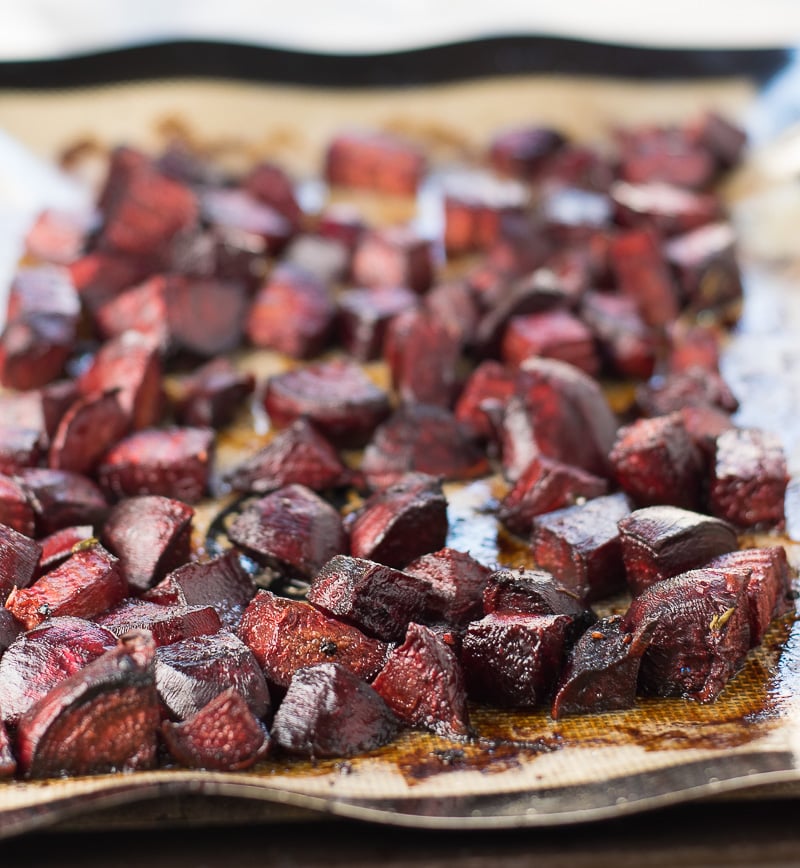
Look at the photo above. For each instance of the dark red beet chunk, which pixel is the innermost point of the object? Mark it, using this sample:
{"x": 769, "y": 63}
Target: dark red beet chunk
{"x": 401, "y": 522}
{"x": 211, "y": 395}
{"x": 172, "y": 462}
{"x": 749, "y": 479}
{"x": 602, "y": 669}
{"x": 100, "y": 275}
{"x": 206, "y": 316}
{"x": 693, "y": 388}
{"x": 39, "y": 409}
{"x": 533, "y": 592}
{"x": 701, "y": 635}
{"x": 141, "y": 308}
{"x": 58, "y": 546}
{"x": 365, "y": 314}
{"x": 544, "y": 486}
{"x": 423, "y": 439}
{"x": 224, "y": 735}
{"x": 704, "y": 424}
{"x": 41, "y": 658}
{"x": 291, "y": 530}
{"x": 377, "y": 599}
{"x": 454, "y": 585}
{"x": 15, "y": 511}
{"x": 580, "y": 546}
{"x": 337, "y": 397}
{"x": 374, "y": 161}
{"x": 9, "y": 630}
{"x": 513, "y": 660}
{"x": 87, "y": 583}
{"x": 329, "y": 712}
{"x": 19, "y": 447}
{"x": 101, "y": 719}
{"x": 299, "y": 454}
{"x": 455, "y": 305}
{"x": 8, "y": 765}
{"x": 286, "y": 635}
{"x": 167, "y": 624}
{"x": 693, "y": 346}
{"x": 393, "y": 257}
{"x": 665, "y": 154}
{"x": 422, "y": 683}
{"x": 627, "y": 345}
{"x": 489, "y": 385}
{"x": 61, "y": 498}
{"x": 655, "y": 461}
{"x": 521, "y": 151}
{"x": 19, "y": 558}
{"x": 293, "y": 313}
{"x": 190, "y": 673}
{"x": 666, "y": 209}
{"x": 150, "y": 535}
{"x": 271, "y": 185}
{"x": 555, "y": 334}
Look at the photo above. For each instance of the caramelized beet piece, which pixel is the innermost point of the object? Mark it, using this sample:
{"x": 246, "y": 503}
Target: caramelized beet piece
{"x": 513, "y": 660}
{"x": 749, "y": 479}
{"x": 329, "y": 712}
{"x": 58, "y": 546}
{"x": 454, "y": 305}
{"x": 521, "y": 151}
{"x": 39, "y": 410}
{"x": 167, "y": 624}
{"x": 489, "y": 385}
{"x": 401, "y": 522}
{"x": 224, "y": 735}
{"x": 663, "y": 541}
{"x": 544, "y": 486}
{"x": 43, "y": 290}
{"x": 656, "y": 462}
{"x": 19, "y": 558}
{"x": 15, "y": 511}
{"x": 553, "y": 334}
{"x": 87, "y": 583}
{"x": 365, "y": 315}
{"x": 101, "y": 275}
{"x": 374, "y": 161}
{"x": 423, "y": 439}
{"x": 377, "y": 599}
{"x": 272, "y": 186}
{"x": 19, "y": 447}
{"x": 103, "y": 718}
{"x": 693, "y": 388}
{"x": 704, "y": 424}
{"x": 150, "y": 535}
{"x": 693, "y": 346}
{"x": 286, "y": 635}
{"x": 41, "y": 658}
{"x": 666, "y": 209}
{"x": 701, "y": 635}
{"x": 627, "y": 345}
{"x": 61, "y": 498}
{"x": 533, "y": 592}
{"x": 141, "y": 308}
{"x": 172, "y": 462}
{"x": 337, "y": 397}
{"x": 602, "y": 669}
{"x": 394, "y": 256}
{"x": 422, "y": 683}
{"x": 8, "y": 765}
{"x": 292, "y": 530}
{"x": 580, "y": 546}
{"x": 191, "y": 672}
{"x": 293, "y": 313}
{"x": 211, "y": 394}
{"x": 206, "y": 316}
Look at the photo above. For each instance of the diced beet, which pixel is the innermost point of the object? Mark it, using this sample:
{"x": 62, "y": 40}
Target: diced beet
{"x": 521, "y": 151}
{"x": 577, "y": 166}
{"x": 141, "y": 308}
{"x": 293, "y": 313}
{"x": 19, "y": 558}
{"x": 545, "y": 486}
{"x": 191, "y": 672}
{"x": 513, "y": 660}
{"x": 580, "y": 546}
{"x": 555, "y": 334}
{"x": 43, "y": 290}
{"x": 626, "y": 343}
{"x": 665, "y": 154}
{"x": 212, "y": 393}
{"x": 377, "y": 599}
{"x": 41, "y": 658}
{"x": 423, "y": 439}
{"x": 329, "y": 712}
{"x": 655, "y": 461}
{"x": 271, "y": 185}
{"x": 662, "y": 541}
{"x": 701, "y": 635}
{"x": 172, "y": 462}
{"x": 725, "y": 140}
{"x": 602, "y": 669}
{"x": 422, "y": 683}
{"x": 103, "y": 718}
{"x": 365, "y": 314}
{"x": 150, "y": 535}
{"x": 666, "y": 209}
{"x": 394, "y": 256}
{"x": 59, "y": 236}
{"x": 286, "y": 635}
{"x": 101, "y": 275}
{"x": 704, "y": 424}
{"x": 39, "y": 409}
{"x": 533, "y": 592}
{"x": 58, "y": 546}
{"x": 693, "y": 346}
{"x": 167, "y": 624}
{"x": 8, "y": 764}
{"x": 86, "y": 584}
{"x": 19, "y": 447}
{"x": 401, "y": 522}
{"x": 9, "y": 631}
{"x": 749, "y": 480}
{"x": 61, "y": 498}
{"x": 336, "y": 396}
{"x": 206, "y": 316}
{"x": 454, "y": 305}
{"x": 490, "y": 384}
{"x": 454, "y": 584}
{"x": 15, "y": 511}
{"x": 693, "y": 388}
{"x": 224, "y": 735}
{"x": 374, "y": 161}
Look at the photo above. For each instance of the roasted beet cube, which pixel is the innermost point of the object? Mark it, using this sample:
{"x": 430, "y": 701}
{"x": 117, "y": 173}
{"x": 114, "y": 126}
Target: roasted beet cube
{"x": 577, "y": 166}
{"x": 211, "y": 395}
{"x": 365, "y": 314}
{"x": 58, "y": 546}
{"x": 206, "y": 316}
{"x": 395, "y": 256}
{"x": 545, "y": 486}
{"x": 141, "y": 308}
{"x": 59, "y": 236}
{"x": 19, "y": 447}
{"x": 61, "y": 498}
{"x": 270, "y": 184}
{"x": 454, "y": 305}
{"x": 665, "y": 154}
{"x": 580, "y": 546}
{"x": 555, "y": 334}
{"x": 655, "y": 461}
{"x": 43, "y": 290}
{"x": 374, "y": 161}
{"x": 39, "y": 410}
{"x": 103, "y": 718}
{"x": 704, "y": 424}
{"x": 150, "y": 535}
{"x": 167, "y": 624}
{"x": 86, "y": 584}
{"x": 191, "y": 672}
{"x": 423, "y": 684}
{"x": 286, "y": 635}
{"x": 693, "y": 346}
{"x": 293, "y": 313}
{"x": 662, "y": 541}
{"x": 423, "y": 439}
{"x": 15, "y": 511}
{"x": 401, "y": 522}
{"x": 377, "y": 599}
{"x": 693, "y": 388}
{"x": 513, "y": 660}
{"x": 337, "y": 397}
{"x": 748, "y": 484}
{"x": 19, "y": 559}
{"x": 521, "y": 151}
{"x": 489, "y": 385}
{"x": 224, "y": 735}
{"x": 627, "y": 345}
{"x": 533, "y": 592}
{"x": 292, "y": 530}
{"x": 102, "y": 274}
{"x": 172, "y": 462}
{"x": 666, "y": 209}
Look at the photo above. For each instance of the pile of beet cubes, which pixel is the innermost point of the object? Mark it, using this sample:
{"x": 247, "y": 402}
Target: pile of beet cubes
{"x": 123, "y": 648}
